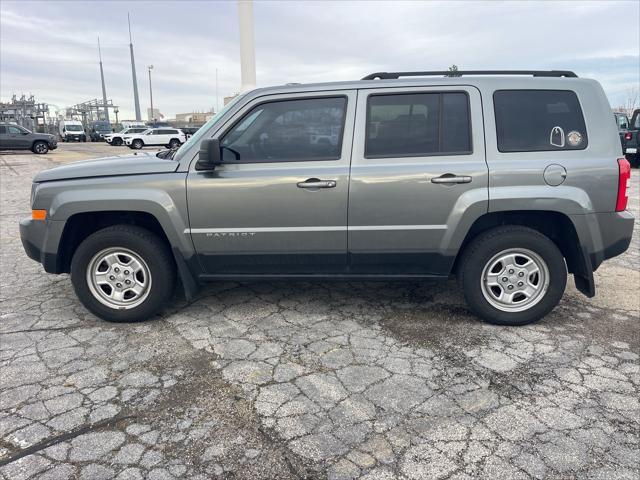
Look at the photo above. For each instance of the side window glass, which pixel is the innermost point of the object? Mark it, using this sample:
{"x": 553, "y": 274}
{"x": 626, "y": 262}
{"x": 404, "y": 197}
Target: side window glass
{"x": 417, "y": 124}
{"x": 538, "y": 121}
{"x": 3, "y": 130}
{"x": 288, "y": 130}
{"x": 14, "y": 130}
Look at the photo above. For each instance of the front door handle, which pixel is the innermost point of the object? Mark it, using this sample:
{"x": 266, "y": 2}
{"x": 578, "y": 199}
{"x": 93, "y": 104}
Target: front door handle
{"x": 449, "y": 178}
{"x": 317, "y": 183}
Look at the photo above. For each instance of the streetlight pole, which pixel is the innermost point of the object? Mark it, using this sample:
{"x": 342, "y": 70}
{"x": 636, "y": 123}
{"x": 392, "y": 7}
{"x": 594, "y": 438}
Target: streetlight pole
{"x": 150, "y": 67}
{"x": 116, "y": 112}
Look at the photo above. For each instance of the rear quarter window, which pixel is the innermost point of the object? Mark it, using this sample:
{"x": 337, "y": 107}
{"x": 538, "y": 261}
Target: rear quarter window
{"x": 539, "y": 121}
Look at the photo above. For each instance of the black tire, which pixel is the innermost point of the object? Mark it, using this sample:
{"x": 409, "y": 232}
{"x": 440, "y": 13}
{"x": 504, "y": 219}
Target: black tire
{"x": 40, "y": 148}
{"x": 116, "y": 142}
{"x": 633, "y": 160}
{"x": 485, "y": 247}
{"x": 153, "y": 251}
{"x": 137, "y": 144}
{"x": 174, "y": 143}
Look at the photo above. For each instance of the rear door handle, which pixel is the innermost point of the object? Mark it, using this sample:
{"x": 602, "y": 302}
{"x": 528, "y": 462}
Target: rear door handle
{"x": 317, "y": 183}
{"x": 451, "y": 178}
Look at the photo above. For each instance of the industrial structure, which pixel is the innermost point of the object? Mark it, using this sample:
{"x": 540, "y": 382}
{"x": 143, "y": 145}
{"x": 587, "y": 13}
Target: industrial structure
{"x": 91, "y": 110}
{"x": 136, "y": 99}
{"x": 25, "y": 111}
{"x": 104, "y": 90}
{"x": 247, "y": 46}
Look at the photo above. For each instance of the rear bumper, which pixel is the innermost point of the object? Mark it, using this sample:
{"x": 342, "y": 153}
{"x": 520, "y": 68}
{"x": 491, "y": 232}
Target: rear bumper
{"x": 604, "y": 235}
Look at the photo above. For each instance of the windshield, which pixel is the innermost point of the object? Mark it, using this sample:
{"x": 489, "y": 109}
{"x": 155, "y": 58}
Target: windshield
{"x": 73, "y": 128}
{"x": 196, "y": 137}
{"x": 102, "y": 128}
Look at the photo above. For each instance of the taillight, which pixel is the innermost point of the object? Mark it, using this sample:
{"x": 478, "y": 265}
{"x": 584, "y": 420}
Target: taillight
{"x": 628, "y": 136}
{"x": 624, "y": 175}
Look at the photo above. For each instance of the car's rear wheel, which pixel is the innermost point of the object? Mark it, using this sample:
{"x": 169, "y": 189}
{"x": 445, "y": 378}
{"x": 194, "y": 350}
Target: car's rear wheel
{"x": 512, "y": 275}
{"x": 40, "y": 148}
{"x": 174, "y": 143}
{"x": 123, "y": 273}
{"x": 137, "y": 144}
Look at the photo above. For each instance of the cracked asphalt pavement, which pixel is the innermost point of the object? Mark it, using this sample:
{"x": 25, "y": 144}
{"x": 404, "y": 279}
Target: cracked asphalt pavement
{"x": 278, "y": 380}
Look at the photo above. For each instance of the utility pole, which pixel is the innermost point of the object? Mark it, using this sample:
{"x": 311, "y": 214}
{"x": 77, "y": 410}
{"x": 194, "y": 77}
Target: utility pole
{"x": 247, "y": 47}
{"x": 104, "y": 90}
{"x": 136, "y": 100}
{"x": 150, "y": 67}
{"x": 217, "y": 91}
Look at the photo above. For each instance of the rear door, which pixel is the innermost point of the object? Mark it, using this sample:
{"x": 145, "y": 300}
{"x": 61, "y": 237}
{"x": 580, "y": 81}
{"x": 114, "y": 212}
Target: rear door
{"x": 418, "y": 172}
{"x": 278, "y": 203}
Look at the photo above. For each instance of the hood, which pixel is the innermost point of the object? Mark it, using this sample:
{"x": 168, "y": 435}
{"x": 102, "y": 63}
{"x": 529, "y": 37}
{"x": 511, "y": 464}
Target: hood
{"x": 140, "y": 164}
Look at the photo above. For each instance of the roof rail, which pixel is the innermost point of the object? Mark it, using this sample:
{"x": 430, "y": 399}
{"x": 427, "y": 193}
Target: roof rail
{"x": 449, "y": 73}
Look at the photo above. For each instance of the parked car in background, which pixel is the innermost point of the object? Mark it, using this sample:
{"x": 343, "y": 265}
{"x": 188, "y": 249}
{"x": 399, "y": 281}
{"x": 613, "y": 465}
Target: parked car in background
{"x": 99, "y": 130}
{"x": 117, "y": 139}
{"x": 72, "y": 131}
{"x": 632, "y": 140}
{"x": 489, "y": 176}
{"x": 189, "y": 131}
{"x": 15, "y": 137}
{"x": 132, "y": 124}
{"x": 166, "y": 137}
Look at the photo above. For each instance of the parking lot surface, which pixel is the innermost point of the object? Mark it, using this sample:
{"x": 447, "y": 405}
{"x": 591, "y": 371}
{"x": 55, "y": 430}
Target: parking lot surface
{"x": 310, "y": 380}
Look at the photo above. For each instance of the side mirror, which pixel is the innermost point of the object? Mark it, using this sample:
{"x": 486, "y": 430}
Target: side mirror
{"x": 209, "y": 155}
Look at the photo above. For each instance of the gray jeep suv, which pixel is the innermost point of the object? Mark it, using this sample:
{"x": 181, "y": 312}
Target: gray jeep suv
{"x": 15, "y": 137}
{"x": 510, "y": 180}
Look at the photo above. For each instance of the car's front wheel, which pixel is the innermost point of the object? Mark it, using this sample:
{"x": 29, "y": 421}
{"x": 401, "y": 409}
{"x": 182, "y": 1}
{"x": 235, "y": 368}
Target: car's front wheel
{"x": 123, "y": 273}
{"x": 116, "y": 142}
{"x": 174, "y": 143}
{"x": 137, "y": 144}
{"x": 512, "y": 275}
{"x": 40, "y": 148}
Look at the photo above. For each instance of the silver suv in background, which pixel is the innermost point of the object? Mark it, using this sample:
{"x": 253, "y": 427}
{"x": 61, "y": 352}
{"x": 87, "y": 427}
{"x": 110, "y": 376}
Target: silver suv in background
{"x": 509, "y": 180}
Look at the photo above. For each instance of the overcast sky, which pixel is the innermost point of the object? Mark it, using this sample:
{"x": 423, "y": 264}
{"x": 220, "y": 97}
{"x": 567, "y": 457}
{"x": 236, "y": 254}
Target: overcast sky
{"x": 50, "y": 48}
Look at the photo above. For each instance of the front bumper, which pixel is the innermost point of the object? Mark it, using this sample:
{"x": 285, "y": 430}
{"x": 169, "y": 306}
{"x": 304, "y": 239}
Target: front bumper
{"x": 40, "y": 240}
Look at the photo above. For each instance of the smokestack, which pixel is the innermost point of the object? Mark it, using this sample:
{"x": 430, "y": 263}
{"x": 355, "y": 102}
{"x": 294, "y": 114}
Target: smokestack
{"x": 247, "y": 48}
{"x": 104, "y": 90}
{"x": 136, "y": 100}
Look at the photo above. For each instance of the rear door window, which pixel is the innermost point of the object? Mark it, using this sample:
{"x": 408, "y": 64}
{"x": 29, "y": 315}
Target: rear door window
{"x": 417, "y": 124}
{"x": 539, "y": 120}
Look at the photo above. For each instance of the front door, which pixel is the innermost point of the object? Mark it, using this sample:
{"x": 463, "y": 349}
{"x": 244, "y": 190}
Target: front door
{"x": 278, "y": 203}
{"x": 17, "y": 137}
{"x": 418, "y": 174}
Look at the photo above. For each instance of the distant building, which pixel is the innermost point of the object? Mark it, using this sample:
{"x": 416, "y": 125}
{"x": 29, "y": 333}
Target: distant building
{"x": 194, "y": 118}
{"x": 229, "y": 98}
{"x": 155, "y": 115}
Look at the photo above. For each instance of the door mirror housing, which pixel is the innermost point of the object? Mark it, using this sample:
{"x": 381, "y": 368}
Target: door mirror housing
{"x": 209, "y": 155}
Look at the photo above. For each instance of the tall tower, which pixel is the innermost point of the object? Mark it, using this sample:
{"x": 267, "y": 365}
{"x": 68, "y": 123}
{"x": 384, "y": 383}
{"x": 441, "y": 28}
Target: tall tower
{"x": 247, "y": 47}
{"x": 104, "y": 90}
{"x": 136, "y": 100}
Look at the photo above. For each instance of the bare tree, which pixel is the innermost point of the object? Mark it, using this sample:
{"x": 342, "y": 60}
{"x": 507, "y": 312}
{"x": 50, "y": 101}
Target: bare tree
{"x": 453, "y": 69}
